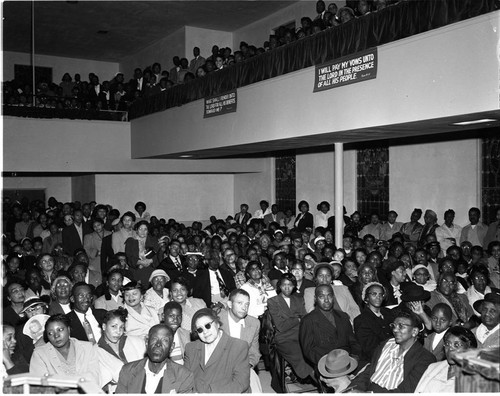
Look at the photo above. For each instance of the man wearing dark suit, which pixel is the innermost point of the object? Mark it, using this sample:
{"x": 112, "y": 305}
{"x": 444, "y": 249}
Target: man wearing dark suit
{"x": 172, "y": 264}
{"x": 325, "y": 329}
{"x": 85, "y": 320}
{"x": 197, "y": 61}
{"x": 213, "y": 284}
{"x": 79, "y": 271}
{"x": 156, "y": 373}
{"x": 276, "y": 215}
{"x": 237, "y": 323}
{"x": 72, "y": 236}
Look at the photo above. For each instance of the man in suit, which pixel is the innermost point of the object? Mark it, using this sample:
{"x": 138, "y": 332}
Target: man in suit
{"x": 85, "y": 320}
{"x": 197, "y": 61}
{"x": 72, "y": 236}
{"x": 172, "y": 264}
{"x": 156, "y": 373}
{"x": 326, "y": 328}
{"x": 342, "y": 301}
{"x": 237, "y": 323}
{"x": 79, "y": 271}
{"x": 214, "y": 284}
{"x": 475, "y": 231}
{"x": 276, "y": 215}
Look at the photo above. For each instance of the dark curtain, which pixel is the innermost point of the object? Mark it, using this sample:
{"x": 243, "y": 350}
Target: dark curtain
{"x": 390, "y": 24}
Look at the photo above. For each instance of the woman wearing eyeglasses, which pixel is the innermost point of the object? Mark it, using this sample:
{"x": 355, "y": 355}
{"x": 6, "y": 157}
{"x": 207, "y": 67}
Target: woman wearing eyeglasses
{"x": 397, "y": 364}
{"x": 440, "y": 377}
{"x": 372, "y": 326}
{"x": 219, "y": 362}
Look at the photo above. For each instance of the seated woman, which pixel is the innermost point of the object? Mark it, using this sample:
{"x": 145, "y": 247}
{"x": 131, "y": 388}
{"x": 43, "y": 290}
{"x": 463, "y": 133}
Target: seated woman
{"x": 446, "y": 293}
{"x": 112, "y": 297}
{"x": 13, "y": 363}
{"x": 140, "y": 317}
{"x": 440, "y": 377}
{"x": 219, "y": 362}
{"x": 366, "y": 274}
{"x": 297, "y": 269}
{"x": 126, "y": 348}
{"x": 372, "y": 326}
{"x": 26, "y": 344}
{"x": 286, "y": 310}
{"x": 60, "y": 292}
{"x": 421, "y": 276}
{"x": 349, "y": 274}
{"x": 65, "y": 355}
{"x": 180, "y": 290}
{"x": 479, "y": 277}
{"x": 157, "y": 295}
{"x": 259, "y": 290}
{"x": 397, "y": 364}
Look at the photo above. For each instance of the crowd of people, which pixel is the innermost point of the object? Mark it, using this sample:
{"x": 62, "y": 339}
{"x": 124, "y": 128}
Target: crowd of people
{"x": 117, "y": 94}
{"x": 140, "y": 304}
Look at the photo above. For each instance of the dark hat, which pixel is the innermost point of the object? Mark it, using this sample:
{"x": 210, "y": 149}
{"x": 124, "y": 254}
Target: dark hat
{"x": 322, "y": 265}
{"x": 31, "y": 302}
{"x": 414, "y": 292}
{"x": 336, "y": 364}
{"x": 395, "y": 265}
{"x": 493, "y": 297}
{"x": 432, "y": 244}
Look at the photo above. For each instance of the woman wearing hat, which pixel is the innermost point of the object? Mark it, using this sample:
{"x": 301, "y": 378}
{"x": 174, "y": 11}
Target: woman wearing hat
{"x": 143, "y": 252}
{"x": 287, "y": 309}
{"x": 25, "y": 344}
{"x": 60, "y": 293}
{"x": 413, "y": 298}
{"x": 112, "y": 297}
{"x": 440, "y": 377}
{"x": 157, "y": 295}
{"x": 371, "y": 327}
{"x": 219, "y": 362}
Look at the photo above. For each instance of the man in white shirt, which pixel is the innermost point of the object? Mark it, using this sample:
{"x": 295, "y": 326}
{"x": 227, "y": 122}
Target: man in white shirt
{"x": 475, "y": 231}
{"x": 448, "y": 234}
{"x": 156, "y": 373}
{"x": 391, "y": 227}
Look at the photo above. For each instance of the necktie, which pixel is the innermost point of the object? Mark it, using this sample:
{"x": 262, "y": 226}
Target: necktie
{"x": 222, "y": 287}
{"x": 178, "y": 263}
{"x": 88, "y": 330}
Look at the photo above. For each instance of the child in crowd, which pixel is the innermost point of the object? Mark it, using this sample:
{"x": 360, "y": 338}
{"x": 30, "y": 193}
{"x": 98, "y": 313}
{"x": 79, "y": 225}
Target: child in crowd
{"x": 441, "y": 321}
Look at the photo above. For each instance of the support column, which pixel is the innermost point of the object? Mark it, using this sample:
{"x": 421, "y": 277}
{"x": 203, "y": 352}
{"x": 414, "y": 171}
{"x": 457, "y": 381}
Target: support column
{"x": 339, "y": 193}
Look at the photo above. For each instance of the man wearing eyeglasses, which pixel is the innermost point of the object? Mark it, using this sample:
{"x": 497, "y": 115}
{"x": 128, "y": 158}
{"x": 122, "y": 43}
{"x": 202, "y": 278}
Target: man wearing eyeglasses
{"x": 156, "y": 373}
{"x": 399, "y": 363}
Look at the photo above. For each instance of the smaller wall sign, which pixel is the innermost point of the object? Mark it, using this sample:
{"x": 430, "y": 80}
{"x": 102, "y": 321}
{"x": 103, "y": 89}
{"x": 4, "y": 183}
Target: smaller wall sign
{"x": 220, "y": 104}
{"x": 347, "y": 70}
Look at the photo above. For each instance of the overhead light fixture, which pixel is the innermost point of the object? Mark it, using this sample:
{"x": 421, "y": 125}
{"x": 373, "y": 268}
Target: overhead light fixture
{"x": 481, "y": 121}
{"x": 186, "y": 156}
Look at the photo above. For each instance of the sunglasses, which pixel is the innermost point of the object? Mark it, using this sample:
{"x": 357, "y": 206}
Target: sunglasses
{"x": 207, "y": 326}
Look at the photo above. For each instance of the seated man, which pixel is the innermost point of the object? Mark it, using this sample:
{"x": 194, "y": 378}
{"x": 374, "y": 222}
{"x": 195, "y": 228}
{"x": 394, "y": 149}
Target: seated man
{"x": 326, "y": 328}
{"x": 343, "y": 300}
{"x": 488, "y": 333}
{"x": 156, "y": 373}
{"x": 399, "y": 363}
{"x": 85, "y": 320}
{"x": 172, "y": 317}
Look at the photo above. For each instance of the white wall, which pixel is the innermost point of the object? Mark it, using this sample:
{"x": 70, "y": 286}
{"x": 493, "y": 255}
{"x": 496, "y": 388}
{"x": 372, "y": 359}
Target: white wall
{"x": 204, "y": 39}
{"x": 251, "y": 188}
{"x": 58, "y": 187}
{"x": 437, "y": 176}
{"x": 53, "y": 145}
{"x": 59, "y": 65}
{"x": 183, "y": 197}
{"x": 315, "y": 179}
{"x": 406, "y": 90}
{"x": 161, "y": 51}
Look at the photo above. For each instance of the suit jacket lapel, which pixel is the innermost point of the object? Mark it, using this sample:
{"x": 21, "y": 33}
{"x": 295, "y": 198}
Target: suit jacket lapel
{"x": 138, "y": 376}
{"x": 219, "y": 350}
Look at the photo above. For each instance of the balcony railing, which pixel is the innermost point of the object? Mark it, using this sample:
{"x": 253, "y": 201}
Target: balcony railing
{"x": 396, "y": 22}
